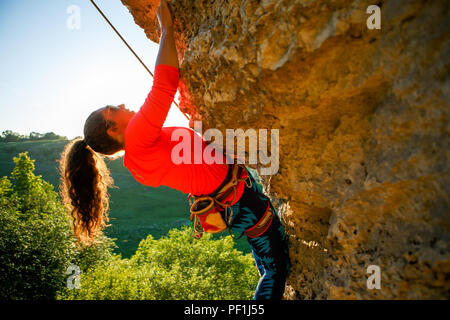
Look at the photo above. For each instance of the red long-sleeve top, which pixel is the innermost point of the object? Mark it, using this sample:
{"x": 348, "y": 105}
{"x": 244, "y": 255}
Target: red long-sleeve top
{"x": 148, "y": 145}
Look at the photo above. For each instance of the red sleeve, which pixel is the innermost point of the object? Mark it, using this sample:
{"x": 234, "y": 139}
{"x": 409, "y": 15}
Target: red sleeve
{"x": 144, "y": 128}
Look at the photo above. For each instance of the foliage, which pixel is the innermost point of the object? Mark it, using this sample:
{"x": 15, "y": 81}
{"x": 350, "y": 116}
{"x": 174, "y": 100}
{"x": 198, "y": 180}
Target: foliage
{"x": 173, "y": 267}
{"x": 11, "y": 136}
{"x": 89, "y": 257}
{"x": 36, "y": 242}
{"x": 37, "y": 246}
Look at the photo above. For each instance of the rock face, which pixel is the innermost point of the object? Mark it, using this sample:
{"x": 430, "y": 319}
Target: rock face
{"x": 363, "y": 129}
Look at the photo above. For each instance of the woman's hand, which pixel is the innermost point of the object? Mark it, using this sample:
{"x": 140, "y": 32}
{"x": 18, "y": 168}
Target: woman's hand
{"x": 164, "y": 15}
{"x": 167, "y": 53}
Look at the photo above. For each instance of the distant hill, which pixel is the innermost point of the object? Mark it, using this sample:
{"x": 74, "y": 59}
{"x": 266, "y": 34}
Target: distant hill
{"x": 135, "y": 210}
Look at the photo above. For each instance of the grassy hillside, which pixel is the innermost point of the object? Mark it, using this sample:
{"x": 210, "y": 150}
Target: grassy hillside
{"x": 136, "y": 210}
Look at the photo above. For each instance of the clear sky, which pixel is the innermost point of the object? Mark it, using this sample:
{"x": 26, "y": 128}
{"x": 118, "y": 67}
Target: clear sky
{"x": 52, "y": 77}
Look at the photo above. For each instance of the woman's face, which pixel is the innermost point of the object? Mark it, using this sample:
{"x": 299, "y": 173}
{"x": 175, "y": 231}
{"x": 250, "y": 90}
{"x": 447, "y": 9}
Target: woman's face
{"x": 120, "y": 116}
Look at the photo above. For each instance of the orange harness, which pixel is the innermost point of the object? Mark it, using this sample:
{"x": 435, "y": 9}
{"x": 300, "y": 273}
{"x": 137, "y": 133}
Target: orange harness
{"x": 209, "y": 212}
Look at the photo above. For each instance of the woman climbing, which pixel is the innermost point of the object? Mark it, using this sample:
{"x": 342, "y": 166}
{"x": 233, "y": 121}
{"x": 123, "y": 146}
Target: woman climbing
{"x": 224, "y": 195}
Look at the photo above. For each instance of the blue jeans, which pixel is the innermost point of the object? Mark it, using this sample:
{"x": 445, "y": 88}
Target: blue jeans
{"x": 270, "y": 249}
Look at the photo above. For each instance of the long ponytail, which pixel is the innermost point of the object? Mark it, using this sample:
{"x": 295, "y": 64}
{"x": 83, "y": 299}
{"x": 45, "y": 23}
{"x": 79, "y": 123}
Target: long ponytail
{"x": 84, "y": 184}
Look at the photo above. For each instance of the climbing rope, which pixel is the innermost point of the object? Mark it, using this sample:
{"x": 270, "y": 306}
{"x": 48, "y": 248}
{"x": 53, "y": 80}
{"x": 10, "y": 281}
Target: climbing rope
{"x": 124, "y": 41}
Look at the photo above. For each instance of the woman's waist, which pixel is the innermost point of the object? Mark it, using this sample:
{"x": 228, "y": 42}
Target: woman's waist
{"x": 232, "y": 186}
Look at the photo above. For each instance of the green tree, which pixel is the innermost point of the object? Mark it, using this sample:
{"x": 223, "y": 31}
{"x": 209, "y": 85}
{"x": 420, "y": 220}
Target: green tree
{"x": 173, "y": 267}
{"x": 11, "y": 136}
{"x": 50, "y": 136}
{"x": 35, "y": 136}
{"x": 36, "y": 240}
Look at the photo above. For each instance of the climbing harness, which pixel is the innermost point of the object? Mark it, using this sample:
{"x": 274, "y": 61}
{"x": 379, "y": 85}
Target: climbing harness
{"x": 262, "y": 225}
{"x": 209, "y": 213}
{"x": 124, "y": 41}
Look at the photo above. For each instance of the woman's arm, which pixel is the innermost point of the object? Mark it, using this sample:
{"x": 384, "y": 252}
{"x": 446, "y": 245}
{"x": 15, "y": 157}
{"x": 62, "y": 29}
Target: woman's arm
{"x": 167, "y": 53}
{"x": 144, "y": 128}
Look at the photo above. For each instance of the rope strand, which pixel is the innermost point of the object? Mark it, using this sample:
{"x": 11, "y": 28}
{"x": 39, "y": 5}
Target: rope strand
{"x": 126, "y": 43}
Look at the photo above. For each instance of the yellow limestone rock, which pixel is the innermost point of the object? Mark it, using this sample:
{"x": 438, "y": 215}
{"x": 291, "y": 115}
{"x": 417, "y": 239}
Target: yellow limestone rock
{"x": 364, "y": 132}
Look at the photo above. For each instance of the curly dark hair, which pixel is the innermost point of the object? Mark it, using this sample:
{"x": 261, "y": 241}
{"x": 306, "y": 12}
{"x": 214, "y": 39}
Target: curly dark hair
{"x": 85, "y": 178}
